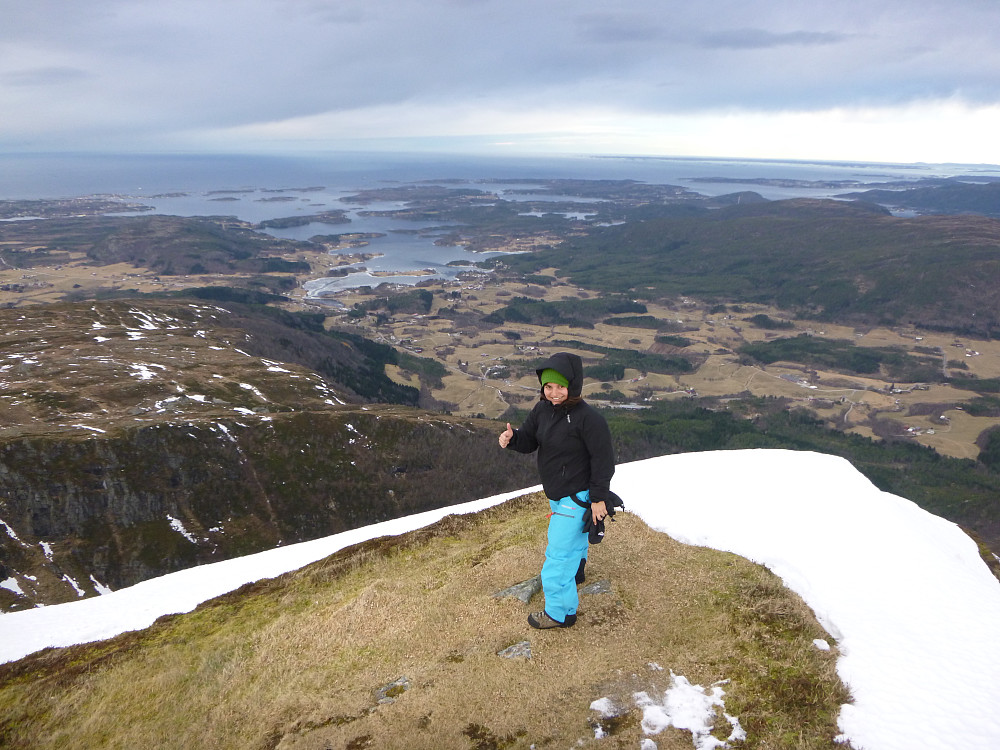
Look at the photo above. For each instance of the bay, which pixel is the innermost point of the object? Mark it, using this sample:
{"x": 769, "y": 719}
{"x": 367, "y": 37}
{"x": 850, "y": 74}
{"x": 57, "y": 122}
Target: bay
{"x": 255, "y": 188}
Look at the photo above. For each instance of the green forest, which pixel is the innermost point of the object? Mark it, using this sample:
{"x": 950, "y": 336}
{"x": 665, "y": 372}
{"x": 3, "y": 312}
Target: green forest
{"x": 827, "y": 260}
{"x": 847, "y": 356}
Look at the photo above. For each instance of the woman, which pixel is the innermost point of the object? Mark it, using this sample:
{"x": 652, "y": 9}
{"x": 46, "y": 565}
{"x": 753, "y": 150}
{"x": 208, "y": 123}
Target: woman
{"x": 576, "y": 463}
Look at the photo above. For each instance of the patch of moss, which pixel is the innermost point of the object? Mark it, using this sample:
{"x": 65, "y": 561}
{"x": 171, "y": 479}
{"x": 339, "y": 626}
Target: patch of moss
{"x": 484, "y": 738}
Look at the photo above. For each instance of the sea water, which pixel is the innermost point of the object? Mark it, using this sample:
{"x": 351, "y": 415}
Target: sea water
{"x": 28, "y": 176}
{"x": 256, "y": 188}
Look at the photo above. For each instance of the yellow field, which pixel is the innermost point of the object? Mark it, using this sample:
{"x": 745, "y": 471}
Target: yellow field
{"x": 849, "y": 402}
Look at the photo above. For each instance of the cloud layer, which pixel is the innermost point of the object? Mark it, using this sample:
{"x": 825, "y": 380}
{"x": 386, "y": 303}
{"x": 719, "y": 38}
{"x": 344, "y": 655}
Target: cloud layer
{"x": 646, "y": 76}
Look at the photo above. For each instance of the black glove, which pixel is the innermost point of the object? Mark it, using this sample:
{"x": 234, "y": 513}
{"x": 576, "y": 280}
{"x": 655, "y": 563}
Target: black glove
{"x": 594, "y": 530}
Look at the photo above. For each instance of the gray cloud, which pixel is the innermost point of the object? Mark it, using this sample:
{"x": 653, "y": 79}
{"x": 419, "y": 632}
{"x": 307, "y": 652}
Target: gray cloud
{"x": 617, "y": 28}
{"x": 763, "y": 39}
{"x": 148, "y": 71}
{"x": 48, "y": 76}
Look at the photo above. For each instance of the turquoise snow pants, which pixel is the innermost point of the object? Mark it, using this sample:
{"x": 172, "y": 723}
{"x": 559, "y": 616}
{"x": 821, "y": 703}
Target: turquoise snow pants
{"x": 567, "y": 546}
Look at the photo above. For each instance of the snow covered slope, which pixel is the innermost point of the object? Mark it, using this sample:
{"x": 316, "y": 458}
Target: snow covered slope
{"x": 912, "y": 607}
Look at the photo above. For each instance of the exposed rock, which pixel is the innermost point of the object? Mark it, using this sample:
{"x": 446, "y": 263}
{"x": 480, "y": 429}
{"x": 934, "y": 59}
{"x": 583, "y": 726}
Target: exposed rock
{"x": 520, "y": 650}
{"x": 389, "y": 693}
{"x": 522, "y": 591}
{"x": 597, "y": 587}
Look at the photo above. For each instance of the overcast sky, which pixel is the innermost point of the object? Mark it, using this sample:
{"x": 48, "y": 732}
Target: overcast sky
{"x": 895, "y": 80}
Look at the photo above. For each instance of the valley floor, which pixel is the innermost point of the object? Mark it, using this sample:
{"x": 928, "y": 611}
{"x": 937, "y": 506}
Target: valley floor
{"x": 931, "y": 414}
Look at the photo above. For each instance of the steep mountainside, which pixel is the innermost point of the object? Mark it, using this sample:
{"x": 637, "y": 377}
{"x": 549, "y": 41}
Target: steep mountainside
{"x": 84, "y": 367}
{"x": 138, "y": 438}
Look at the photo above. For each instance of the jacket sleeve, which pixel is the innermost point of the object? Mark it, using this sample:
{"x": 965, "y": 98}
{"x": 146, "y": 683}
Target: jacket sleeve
{"x": 597, "y": 439}
{"x": 524, "y": 440}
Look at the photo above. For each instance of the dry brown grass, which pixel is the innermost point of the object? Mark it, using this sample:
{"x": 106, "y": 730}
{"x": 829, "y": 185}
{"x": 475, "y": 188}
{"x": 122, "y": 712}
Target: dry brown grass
{"x": 297, "y": 662}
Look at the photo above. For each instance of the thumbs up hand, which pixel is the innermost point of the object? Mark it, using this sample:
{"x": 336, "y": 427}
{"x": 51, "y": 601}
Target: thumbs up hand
{"x": 505, "y": 436}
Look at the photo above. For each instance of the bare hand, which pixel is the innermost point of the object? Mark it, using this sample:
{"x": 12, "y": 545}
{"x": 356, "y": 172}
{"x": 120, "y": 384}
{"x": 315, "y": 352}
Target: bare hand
{"x": 599, "y": 511}
{"x": 506, "y": 436}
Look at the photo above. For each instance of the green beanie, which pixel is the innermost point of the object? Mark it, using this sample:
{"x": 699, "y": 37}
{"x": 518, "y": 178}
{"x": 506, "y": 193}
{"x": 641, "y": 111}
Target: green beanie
{"x": 552, "y": 376}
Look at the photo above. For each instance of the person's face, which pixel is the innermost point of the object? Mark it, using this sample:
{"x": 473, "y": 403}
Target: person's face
{"x": 556, "y": 393}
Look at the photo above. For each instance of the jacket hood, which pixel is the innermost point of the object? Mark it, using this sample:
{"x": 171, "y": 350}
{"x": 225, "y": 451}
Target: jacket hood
{"x": 570, "y": 366}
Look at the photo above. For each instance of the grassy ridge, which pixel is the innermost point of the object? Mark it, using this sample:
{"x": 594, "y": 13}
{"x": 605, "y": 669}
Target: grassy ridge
{"x": 304, "y": 660}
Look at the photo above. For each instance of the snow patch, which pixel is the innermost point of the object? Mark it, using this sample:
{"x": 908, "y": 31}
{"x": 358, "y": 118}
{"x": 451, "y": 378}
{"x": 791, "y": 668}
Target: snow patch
{"x": 604, "y": 706}
{"x": 76, "y": 586}
{"x": 11, "y": 533}
{"x": 99, "y": 587}
{"x": 254, "y": 390}
{"x": 177, "y": 526}
{"x": 150, "y": 322}
{"x": 911, "y": 605}
{"x": 225, "y": 431}
{"x": 691, "y": 708}
{"x": 144, "y": 371}
{"x": 11, "y": 584}
{"x": 274, "y": 366}
{"x": 331, "y": 396}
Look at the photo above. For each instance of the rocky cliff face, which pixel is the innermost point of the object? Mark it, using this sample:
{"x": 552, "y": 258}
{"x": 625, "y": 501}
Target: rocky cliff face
{"x": 81, "y": 516}
{"x": 139, "y": 439}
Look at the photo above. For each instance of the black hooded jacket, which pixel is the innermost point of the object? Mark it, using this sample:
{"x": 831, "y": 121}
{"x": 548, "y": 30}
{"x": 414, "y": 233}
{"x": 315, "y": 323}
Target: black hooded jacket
{"x": 573, "y": 440}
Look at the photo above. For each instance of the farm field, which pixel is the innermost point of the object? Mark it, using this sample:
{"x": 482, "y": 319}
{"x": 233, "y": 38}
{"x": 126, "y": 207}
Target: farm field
{"x": 490, "y": 370}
